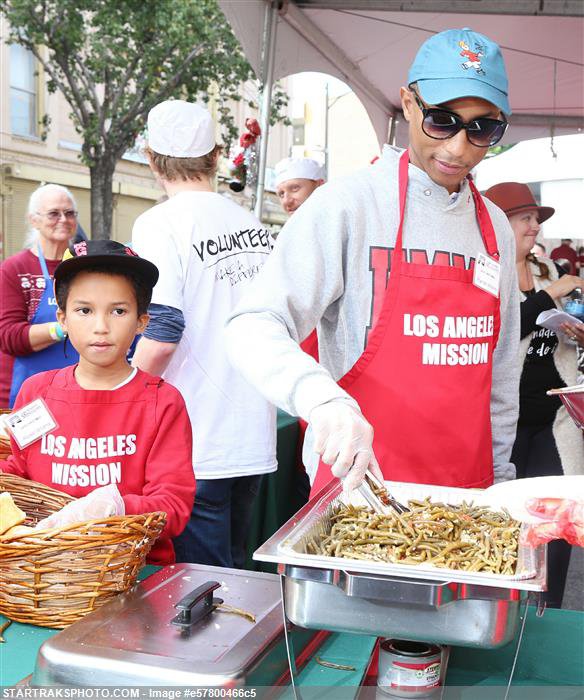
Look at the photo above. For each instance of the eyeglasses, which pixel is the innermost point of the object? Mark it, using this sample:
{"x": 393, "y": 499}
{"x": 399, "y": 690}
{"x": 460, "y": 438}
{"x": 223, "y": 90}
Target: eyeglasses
{"x": 442, "y": 124}
{"x": 53, "y": 216}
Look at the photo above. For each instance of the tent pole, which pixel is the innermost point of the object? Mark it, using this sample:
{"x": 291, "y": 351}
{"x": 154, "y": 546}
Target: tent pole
{"x": 268, "y": 53}
{"x": 392, "y": 133}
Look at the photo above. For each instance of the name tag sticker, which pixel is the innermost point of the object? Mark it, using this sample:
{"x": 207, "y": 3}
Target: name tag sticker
{"x": 487, "y": 274}
{"x": 30, "y": 423}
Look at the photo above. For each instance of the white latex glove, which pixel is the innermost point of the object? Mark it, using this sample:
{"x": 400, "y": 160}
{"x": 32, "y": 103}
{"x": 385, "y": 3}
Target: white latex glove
{"x": 344, "y": 439}
{"x": 101, "y": 503}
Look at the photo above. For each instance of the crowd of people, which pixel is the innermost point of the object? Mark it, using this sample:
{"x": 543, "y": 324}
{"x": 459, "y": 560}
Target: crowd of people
{"x": 395, "y": 315}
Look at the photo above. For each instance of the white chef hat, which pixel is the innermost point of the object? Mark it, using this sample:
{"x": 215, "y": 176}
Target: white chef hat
{"x": 180, "y": 129}
{"x": 292, "y": 168}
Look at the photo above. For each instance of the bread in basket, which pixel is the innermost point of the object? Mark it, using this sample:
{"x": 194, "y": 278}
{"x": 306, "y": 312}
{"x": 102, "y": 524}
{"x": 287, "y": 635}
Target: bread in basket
{"x": 54, "y": 577}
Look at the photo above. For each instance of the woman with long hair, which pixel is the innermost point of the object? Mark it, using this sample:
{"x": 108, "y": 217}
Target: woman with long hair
{"x": 547, "y": 441}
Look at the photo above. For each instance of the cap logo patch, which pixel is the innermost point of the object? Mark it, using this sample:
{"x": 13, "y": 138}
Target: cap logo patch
{"x": 129, "y": 251}
{"x": 80, "y": 248}
{"x": 474, "y": 57}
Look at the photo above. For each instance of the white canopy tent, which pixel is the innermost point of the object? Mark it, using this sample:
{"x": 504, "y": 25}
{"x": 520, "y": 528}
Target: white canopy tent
{"x": 556, "y": 168}
{"x": 537, "y": 161}
{"x": 370, "y": 44}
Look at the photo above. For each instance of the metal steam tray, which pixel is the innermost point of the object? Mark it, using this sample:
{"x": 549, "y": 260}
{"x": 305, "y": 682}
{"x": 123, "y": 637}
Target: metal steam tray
{"x": 420, "y": 603}
{"x": 288, "y": 545}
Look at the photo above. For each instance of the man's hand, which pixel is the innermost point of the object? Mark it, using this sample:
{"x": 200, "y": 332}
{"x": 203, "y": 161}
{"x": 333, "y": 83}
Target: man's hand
{"x": 564, "y": 519}
{"x": 344, "y": 439}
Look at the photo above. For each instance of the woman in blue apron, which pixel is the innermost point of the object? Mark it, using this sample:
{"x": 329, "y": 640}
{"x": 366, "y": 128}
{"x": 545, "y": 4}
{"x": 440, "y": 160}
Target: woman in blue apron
{"x": 53, "y": 217}
{"x": 53, "y": 357}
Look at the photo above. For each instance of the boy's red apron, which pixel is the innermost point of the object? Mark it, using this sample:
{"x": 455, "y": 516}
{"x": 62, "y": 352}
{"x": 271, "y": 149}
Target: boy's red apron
{"x": 432, "y": 422}
{"x": 102, "y": 437}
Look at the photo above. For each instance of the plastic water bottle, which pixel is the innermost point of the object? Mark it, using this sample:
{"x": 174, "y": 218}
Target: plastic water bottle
{"x": 575, "y": 306}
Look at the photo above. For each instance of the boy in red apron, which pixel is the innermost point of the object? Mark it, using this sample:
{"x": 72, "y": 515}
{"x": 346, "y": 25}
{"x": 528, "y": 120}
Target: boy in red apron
{"x": 409, "y": 275}
{"x": 116, "y": 425}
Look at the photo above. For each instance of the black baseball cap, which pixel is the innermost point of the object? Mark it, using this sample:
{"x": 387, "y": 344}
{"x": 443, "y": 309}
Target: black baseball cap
{"x": 110, "y": 255}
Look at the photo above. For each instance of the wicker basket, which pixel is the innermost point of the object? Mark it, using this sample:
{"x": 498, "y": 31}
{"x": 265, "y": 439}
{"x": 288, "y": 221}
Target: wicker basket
{"x": 5, "y": 449}
{"x": 54, "y": 577}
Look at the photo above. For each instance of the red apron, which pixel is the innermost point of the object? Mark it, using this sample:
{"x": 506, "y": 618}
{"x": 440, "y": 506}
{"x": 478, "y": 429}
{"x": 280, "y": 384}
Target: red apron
{"x": 424, "y": 378}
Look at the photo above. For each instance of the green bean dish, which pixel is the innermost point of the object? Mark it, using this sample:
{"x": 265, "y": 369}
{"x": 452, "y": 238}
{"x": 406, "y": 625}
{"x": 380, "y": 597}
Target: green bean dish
{"x": 463, "y": 537}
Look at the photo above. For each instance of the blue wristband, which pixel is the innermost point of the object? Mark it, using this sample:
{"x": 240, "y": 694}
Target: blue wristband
{"x": 56, "y": 332}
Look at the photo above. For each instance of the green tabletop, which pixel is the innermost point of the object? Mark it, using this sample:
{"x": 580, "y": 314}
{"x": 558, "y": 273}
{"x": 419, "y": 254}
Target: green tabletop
{"x": 552, "y": 653}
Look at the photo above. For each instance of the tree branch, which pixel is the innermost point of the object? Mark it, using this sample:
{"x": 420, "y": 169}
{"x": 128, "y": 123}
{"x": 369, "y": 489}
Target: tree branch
{"x": 89, "y": 84}
{"x": 74, "y": 90}
{"x": 139, "y": 79}
{"x": 55, "y": 78}
{"x": 134, "y": 109}
{"x": 117, "y": 96}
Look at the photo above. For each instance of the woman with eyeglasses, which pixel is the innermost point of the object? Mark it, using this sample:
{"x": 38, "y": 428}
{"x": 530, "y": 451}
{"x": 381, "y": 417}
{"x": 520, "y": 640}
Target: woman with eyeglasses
{"x": 31, "y": 340}
{"x": 547, "y": 443}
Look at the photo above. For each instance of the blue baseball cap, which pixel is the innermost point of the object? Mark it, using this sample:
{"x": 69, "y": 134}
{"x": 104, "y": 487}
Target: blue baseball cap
{"x": 460, "y": 63}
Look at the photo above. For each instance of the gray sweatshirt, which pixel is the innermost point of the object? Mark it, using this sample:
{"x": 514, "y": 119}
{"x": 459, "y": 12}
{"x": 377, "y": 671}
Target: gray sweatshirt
{"x": 319, "y": 276}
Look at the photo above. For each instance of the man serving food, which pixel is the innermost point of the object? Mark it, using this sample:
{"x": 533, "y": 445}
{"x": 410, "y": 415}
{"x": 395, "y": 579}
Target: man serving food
{"x": 410, "y": 277}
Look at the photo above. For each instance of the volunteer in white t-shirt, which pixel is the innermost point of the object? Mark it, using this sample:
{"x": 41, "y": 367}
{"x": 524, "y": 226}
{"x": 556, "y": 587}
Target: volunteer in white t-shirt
{"x": 296, "y": 180}
{"x": 208, "y": 250}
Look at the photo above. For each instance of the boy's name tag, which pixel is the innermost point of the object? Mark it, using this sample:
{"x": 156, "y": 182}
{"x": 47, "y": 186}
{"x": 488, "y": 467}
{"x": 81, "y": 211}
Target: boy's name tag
{"x": 30, "y": 423}
{"x": 487, "y": 274}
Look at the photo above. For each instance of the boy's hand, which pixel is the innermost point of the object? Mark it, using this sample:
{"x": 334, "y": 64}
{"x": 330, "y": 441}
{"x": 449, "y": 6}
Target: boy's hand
{"x": 101, "y": 503}
{"x": 564, "y": 519}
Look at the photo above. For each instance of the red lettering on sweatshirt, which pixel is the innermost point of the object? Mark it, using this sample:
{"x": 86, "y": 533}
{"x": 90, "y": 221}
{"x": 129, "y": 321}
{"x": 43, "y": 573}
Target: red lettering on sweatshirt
{"x": 380, "y": 266}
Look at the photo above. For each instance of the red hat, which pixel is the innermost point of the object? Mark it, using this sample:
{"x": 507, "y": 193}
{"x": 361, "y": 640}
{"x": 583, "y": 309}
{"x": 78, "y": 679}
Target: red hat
{"x": 515, "y": 197}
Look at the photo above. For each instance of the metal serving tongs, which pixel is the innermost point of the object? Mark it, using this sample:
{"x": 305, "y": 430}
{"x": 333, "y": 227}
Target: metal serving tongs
{"x": 378, "y": 497}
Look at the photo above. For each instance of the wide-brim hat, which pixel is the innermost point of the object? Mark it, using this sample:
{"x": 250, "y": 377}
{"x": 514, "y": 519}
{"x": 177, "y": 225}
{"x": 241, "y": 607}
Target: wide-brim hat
{"x": 110, "y": 255}
{"x": 515, "y": 197}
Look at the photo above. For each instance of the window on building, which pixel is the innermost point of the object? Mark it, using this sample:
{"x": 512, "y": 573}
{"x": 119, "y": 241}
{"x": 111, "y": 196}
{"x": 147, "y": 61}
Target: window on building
{"x": 23, "y": 92}
{"x": 298, "y": 132}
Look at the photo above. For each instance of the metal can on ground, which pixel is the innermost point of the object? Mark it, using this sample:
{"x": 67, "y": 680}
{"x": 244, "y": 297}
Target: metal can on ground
{"x": 409, "y": 669}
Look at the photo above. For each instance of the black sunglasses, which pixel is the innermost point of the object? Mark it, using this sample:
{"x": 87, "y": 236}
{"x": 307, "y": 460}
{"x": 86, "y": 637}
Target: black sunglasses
{"x": 442, "y": 124}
